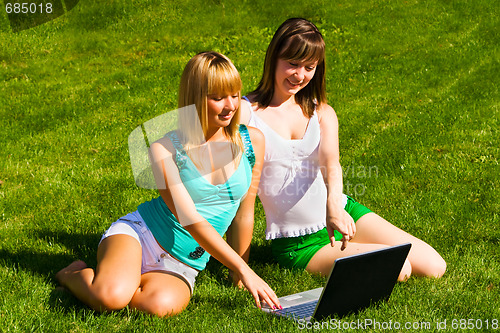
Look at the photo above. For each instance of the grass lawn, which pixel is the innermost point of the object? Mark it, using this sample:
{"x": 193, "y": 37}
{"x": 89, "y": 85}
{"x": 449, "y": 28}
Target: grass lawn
{"x": 415, "y": 87}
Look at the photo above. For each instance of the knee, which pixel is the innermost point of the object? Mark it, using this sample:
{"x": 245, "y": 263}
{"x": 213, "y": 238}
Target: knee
{"x": 164, "y": 307}
{"x": 112, "y": 297}
{"x": 436, "y": 268}
{"x": 162, "y": 304}
{"x": 433, "y": 266}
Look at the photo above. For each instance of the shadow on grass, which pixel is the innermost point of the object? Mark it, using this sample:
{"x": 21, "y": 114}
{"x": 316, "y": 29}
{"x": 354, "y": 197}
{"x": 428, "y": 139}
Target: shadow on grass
{"x": 77, "y": 246}
{"x": 64, "y": 301}
{"x": 47, "y": 264}
{"x": 260, "y": 255}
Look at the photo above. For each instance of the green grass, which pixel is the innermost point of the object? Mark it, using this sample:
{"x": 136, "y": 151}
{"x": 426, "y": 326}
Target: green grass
{"x": 415, "y": 86}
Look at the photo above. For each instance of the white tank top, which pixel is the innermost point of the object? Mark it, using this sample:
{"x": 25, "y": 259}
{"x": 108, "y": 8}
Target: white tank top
{"x": 291, "y": 188}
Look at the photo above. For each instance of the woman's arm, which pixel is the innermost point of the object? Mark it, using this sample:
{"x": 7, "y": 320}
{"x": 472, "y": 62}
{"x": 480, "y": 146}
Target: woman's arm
{"x": 329, "y": 158}
{"x": 212, "y": 242}
{"x": 169, "y": 183}
{"x": 182, "y": 206}
{"x": 239, "y": 234}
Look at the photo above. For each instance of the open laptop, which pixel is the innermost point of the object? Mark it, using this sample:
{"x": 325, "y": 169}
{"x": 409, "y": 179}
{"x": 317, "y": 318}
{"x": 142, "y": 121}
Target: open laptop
{"x": 354, "y": 283}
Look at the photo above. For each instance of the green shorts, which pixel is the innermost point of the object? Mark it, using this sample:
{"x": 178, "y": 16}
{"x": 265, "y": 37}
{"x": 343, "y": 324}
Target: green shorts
{"x": 296, "y": 252}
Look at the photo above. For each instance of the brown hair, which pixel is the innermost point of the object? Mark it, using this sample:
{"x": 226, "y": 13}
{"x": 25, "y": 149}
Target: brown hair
{"x": 300, "y": 40}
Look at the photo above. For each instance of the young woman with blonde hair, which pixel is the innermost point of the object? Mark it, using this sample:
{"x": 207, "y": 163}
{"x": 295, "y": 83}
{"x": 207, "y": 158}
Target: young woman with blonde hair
{"x": 207, "y": 172}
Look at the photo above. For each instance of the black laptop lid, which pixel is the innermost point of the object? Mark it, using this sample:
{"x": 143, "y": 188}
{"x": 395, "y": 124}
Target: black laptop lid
{"x": 357, "y": 281}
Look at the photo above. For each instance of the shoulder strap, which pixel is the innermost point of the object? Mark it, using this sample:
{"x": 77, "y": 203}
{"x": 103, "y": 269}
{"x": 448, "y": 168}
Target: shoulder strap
{"x": 247, "y": 143}
{"x": 175, "y": 141}
{"x": 180, "y": 153}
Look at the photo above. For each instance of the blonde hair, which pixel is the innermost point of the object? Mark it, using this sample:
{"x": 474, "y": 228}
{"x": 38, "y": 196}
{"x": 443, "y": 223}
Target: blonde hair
{"x": 300, "y": 40}
{"x": 208, "y": 73}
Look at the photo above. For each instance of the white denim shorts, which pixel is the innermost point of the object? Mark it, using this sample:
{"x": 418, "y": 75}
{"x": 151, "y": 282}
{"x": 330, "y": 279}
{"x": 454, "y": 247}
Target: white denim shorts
{"x": 154, "y": 258}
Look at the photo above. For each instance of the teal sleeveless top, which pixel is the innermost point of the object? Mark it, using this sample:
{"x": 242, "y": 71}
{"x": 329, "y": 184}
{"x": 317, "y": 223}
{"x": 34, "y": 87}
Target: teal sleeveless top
{"x": 215, "y": 203}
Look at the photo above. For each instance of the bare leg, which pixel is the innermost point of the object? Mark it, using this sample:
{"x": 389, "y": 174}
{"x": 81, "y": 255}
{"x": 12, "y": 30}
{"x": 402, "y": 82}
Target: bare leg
{"x": 161, "y": 294}
{"x": 425, "y": 261}
{"x": 323, "y": 260}
{"x": 374, "y": 232}
{"x": 115, "y": 280}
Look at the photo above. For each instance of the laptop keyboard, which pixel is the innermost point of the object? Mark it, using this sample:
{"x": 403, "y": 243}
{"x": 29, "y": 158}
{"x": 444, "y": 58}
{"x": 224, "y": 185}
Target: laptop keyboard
{"x": 298, "y": 311}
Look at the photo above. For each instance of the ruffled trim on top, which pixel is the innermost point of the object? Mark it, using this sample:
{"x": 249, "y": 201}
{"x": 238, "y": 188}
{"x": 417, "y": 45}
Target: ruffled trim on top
{"x": 295, "y": 233}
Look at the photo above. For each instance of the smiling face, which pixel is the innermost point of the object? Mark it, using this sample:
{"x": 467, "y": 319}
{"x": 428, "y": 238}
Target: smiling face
{"x": 293, "y": 75}
{"x": 212, "y": 84}
{"x": 297, "y": 43}
{"x": 221, "y": 109}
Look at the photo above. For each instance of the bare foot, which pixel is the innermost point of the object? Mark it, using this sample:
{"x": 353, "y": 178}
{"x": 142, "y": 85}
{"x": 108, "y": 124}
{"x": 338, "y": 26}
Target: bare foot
{"x": 71, "y": 268}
